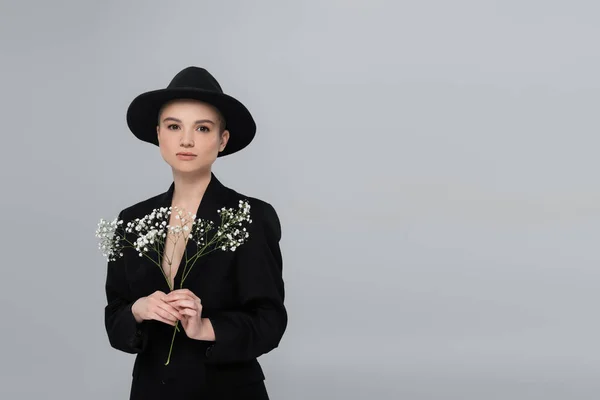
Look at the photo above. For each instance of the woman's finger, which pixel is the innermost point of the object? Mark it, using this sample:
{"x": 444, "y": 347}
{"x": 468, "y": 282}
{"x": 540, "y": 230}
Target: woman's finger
{"x": 179, "y": 296}
{"x": 190, "y": 312}
{"x": 161, "y": 319}
{"x": 166, "y": 315}
{"x": 185, "y": 304}
{"x": 183, "y": 292}
{"x": 170, "y": 309}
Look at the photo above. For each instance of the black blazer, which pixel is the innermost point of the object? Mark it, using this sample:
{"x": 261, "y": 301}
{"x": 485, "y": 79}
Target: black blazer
{"x": 242, "y": 294}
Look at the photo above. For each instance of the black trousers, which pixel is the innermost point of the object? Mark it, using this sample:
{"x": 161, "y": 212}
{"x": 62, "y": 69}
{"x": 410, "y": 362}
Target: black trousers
{"x": 182, "y": 391}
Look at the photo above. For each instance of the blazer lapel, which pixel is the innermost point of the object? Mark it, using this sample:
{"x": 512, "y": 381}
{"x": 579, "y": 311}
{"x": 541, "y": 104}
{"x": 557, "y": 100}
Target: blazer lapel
{"x": 213, "y": 198}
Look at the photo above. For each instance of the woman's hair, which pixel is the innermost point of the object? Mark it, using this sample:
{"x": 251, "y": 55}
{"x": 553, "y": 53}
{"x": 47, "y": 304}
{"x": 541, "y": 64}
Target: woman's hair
{"x": 222, "y": 122}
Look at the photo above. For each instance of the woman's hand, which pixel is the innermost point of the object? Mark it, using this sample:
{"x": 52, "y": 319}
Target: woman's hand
{"x": 155, "y": 307}
{"x": 190, "y": 308}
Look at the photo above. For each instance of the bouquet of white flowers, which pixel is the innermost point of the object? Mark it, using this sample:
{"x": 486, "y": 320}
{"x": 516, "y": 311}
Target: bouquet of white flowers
{"x": 149, "y": 234}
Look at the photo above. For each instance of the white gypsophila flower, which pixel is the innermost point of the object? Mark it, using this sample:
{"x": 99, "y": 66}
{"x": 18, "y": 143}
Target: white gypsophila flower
{"x": 152, "y": 229}
{"x": 110, "y": 242}
{"x": 230, "y": 236}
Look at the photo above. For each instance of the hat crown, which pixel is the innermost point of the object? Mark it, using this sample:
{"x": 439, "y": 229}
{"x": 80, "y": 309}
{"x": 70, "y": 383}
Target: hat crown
{"x": 197, "y": 78}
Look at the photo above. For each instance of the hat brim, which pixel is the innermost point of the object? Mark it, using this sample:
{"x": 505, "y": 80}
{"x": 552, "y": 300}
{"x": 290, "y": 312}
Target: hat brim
{"x": 142, "y": 115}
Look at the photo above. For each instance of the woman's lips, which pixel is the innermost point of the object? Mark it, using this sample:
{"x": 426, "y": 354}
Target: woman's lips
{"x": 186, "y": 156}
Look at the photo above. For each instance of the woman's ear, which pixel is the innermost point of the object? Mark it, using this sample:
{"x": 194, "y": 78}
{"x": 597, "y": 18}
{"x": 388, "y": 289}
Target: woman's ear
{"x": 224, "y": 140}
{"x": 157, "y": 132}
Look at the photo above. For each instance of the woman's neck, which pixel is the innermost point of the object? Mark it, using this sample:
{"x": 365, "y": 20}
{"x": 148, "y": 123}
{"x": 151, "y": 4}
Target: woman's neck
{"x": 189, "y": 190}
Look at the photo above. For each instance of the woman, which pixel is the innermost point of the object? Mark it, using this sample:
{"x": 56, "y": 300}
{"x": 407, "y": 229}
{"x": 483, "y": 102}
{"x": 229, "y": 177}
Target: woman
{"x": 231, "y": 307}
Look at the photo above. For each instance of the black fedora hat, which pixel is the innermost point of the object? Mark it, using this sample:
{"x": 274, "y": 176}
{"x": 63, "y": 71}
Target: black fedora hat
{"x": 198, "y": 84}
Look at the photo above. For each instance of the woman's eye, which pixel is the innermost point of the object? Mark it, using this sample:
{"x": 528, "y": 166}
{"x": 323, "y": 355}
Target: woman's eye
{"x": 203, "y": 128}
{"x": 172, "y": 126}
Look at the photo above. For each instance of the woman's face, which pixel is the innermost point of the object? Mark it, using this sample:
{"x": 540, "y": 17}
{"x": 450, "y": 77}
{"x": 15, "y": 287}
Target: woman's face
{"x": 194, "y": 127}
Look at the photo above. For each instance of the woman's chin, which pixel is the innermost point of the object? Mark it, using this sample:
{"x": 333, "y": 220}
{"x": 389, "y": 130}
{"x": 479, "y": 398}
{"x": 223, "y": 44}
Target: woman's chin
{"x": 188, "y": 169}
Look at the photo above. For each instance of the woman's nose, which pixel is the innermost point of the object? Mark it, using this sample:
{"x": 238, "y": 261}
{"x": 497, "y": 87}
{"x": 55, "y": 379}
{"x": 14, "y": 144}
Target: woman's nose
{"x": 187, "y": 138}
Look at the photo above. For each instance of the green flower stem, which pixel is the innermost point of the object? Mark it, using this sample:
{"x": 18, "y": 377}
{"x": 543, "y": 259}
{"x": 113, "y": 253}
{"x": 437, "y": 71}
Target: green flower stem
{"x": 215, "y": 240}
{"x": 172, "y": 341}
{"x": 200, "y": 254}
{"x": 132, "y": 246}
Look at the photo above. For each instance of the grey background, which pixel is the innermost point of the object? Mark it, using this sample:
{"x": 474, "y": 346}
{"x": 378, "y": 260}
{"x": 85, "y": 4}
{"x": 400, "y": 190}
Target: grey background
{"x": 433, "y": 163}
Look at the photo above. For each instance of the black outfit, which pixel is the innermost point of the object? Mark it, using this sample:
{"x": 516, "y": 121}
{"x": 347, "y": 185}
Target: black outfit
{"x": 242, "y": 293}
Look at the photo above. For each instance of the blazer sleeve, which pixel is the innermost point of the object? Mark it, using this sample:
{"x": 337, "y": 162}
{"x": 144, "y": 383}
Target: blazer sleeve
{"x": 124, "y": 333}
{"x": 258, "y": 326}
